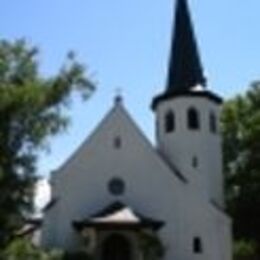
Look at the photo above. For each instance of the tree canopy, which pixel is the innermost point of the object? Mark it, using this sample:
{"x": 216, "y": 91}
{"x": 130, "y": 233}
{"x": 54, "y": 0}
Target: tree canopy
{"x": 241, "y": 133}
{"x": 31, "y": 110}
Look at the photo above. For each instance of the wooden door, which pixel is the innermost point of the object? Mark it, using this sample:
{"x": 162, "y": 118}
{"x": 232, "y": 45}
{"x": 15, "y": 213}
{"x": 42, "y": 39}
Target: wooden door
{"x": 116, "y": 247}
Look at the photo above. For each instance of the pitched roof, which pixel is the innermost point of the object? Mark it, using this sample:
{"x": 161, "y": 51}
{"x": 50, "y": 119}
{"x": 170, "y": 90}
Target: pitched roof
{"x": 118, "y": 215}
{"x": 185, "y": 72}
{"x": 185, "y": 68}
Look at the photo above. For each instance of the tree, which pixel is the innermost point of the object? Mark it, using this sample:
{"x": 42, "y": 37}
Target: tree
{"x": 241, "y": 132}
{"x": 22, "y": 249}
{"x": 32, "y": 109}
{"x": 245, "y": 250}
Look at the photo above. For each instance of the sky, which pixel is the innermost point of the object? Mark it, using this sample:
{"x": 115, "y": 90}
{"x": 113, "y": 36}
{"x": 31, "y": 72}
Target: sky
{"x": 125, "y": 44}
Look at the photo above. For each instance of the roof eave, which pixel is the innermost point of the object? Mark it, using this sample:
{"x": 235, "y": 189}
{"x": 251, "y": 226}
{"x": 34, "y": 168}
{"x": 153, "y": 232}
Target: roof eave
{"x": 196, "y": 94}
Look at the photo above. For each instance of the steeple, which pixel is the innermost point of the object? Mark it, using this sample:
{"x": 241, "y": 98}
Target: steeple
{"x": 185, "y": 72}
{"x": 185, "y": 69}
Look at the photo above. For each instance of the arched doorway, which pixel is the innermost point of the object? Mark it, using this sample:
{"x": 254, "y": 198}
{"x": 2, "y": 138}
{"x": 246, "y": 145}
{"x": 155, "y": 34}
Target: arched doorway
{"x": 116, "y": 247}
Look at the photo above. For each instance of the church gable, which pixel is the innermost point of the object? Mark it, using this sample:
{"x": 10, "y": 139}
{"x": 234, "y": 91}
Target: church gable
{"x": 116, "y": 138}
{"x": 116, "y": 162}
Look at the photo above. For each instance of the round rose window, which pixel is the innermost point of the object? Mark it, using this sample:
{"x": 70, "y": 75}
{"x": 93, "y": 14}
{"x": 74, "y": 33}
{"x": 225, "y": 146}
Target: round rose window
{"x": 116, "y": 186}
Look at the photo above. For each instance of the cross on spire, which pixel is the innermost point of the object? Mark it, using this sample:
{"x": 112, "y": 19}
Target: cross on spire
{"x": 118, "y": 96}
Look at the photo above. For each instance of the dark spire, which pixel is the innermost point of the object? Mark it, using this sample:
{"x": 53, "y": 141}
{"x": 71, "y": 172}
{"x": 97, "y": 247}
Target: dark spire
{"x": 185, "y": 69}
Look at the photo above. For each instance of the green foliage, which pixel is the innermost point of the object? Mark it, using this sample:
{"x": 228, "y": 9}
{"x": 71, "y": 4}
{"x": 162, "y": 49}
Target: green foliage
{"x": 241, "y": 132}
{"x": 244, "y": 250}
{"x": 22, "y": 249}
{"x": 151, "y": 246}
{"x": 32, "y": 109}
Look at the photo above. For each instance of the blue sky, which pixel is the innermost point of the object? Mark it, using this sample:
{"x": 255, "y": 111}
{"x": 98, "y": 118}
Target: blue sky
{"x": 125, "y": 43}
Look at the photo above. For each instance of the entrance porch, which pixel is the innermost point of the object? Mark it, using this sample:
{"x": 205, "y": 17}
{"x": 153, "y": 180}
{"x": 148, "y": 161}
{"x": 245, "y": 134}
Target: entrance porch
{"x": 119, "y": 233}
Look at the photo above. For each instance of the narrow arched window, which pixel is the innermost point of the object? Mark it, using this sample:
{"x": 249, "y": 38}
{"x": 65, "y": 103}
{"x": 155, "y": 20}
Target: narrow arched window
{"x": 157, "y": 128}
{"x": 169, "y": 122}
{"x": 117, "y": 142}
{"x": 193, "y": 119}
{"x": 212, "y": 122}
{"x": 195, "y": 162}
{"x": 197, "y": 245}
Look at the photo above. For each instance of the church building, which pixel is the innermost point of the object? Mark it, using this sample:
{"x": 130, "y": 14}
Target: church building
{"x": 121, "y": 198}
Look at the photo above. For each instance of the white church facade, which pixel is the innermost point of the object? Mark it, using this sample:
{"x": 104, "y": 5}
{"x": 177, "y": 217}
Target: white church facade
{"x": 121, "y": 198}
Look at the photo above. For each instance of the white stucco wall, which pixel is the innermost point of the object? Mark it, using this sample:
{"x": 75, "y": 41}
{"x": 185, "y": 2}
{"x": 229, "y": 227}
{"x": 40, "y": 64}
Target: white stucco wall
{"x": 151, "y": 189}
{"x": 183, "y": 144}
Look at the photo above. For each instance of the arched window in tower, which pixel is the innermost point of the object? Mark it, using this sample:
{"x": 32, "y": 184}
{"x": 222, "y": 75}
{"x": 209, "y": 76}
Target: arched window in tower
{"x": 193, "y": 119}
{"x": 169, "y": 122}
{"x": 212, "y": 122}
{"x": 157, "y": 128}
{"x": 195, "y": 162}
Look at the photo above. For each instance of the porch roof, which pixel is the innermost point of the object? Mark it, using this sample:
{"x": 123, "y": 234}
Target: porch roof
{"x": 118, "y": 216}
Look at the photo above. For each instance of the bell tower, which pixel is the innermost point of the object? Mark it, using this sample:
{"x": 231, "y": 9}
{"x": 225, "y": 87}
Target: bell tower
{"x": 187, "y": 114}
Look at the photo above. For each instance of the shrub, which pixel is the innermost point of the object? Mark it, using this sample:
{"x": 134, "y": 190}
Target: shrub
{"x": 245, "y": 250}
{"x": 22, "y": 249}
